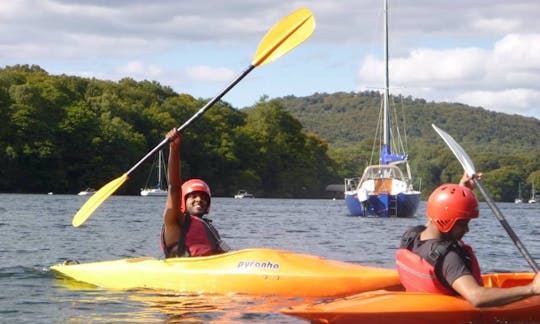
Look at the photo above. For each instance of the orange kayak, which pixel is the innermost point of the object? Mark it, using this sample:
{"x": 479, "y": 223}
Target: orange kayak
{"x": 249, "y": 271}
{"x": 387, "y": 306}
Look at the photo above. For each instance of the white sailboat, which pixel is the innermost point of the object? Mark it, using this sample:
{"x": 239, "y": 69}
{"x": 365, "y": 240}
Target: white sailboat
{"x": 157, "y": 190}
{"x": 519, "y": 199}
{"x": 384, "y": 190}
{"x": 533, "y": 195}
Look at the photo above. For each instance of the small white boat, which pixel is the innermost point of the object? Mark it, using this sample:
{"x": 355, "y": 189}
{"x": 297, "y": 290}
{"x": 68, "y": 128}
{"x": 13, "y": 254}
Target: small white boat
{"x": 153, "y": 192}
{"x": 533, "y": 195}
{"x": 157, "y": 190}
{"x": 243, "y": 194}
{"x": 87, "y": 192}
{"x": 519, "y": 199}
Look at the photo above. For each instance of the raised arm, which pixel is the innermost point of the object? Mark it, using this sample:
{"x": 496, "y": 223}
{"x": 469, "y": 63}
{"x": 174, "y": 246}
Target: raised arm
{"x": 173, "y": 218}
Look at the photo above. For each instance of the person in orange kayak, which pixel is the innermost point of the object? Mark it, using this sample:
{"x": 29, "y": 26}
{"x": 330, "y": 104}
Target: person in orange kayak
{"x": 186, "y": 232}
{"x": 433, "y": 258}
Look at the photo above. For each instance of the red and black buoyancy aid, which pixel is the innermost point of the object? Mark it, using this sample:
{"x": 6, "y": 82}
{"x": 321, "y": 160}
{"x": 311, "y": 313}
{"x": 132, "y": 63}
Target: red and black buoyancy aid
{"x": 198, "y": 238}
{"x": 423, "y": 274}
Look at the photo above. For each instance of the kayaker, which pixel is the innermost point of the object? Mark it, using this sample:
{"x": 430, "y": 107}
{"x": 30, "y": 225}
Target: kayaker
{"x": 433, "y": 258}
{"x": 186, "y": 232}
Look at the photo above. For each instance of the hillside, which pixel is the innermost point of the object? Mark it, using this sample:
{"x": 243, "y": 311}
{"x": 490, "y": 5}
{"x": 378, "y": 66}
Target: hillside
{"x": 67, "y": 133}
{"x": 345, "y": 119}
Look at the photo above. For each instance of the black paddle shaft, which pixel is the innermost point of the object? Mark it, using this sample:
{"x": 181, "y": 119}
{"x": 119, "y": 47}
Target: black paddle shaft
{"x": 506, "y": 226}
{"x": 198, "y": 114}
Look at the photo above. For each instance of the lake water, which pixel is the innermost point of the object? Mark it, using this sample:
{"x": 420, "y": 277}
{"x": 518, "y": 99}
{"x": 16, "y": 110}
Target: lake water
{"x": 36, "y": 233}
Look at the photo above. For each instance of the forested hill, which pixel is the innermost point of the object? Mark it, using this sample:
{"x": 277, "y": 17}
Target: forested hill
{"x": 62, "y": 133}
{"x": 345, "y": 119}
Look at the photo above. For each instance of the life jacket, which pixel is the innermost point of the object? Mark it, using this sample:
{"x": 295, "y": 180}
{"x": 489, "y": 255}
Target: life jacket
{"x": 198, "y": 237}
{"x": 423, "y": 274}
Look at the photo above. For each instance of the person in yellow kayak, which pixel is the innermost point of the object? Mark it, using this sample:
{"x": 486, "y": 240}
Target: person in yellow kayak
{"x": 186, "y": 232}
{"x": 433, "y": 258}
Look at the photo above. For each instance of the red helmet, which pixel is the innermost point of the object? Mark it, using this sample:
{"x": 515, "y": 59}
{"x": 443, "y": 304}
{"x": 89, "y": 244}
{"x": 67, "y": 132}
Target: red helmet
{"x": 194, "y": 185}
{"x": 451, "y": 202}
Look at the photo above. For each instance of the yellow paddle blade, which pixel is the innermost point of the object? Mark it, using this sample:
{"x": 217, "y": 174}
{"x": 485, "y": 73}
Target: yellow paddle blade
{"x": 290, "y": 32}
{"x": 96, "y": 199}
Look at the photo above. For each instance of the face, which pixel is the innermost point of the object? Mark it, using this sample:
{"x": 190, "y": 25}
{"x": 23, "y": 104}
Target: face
{"x": 461, "y": 227}
{"x": 197, "y": 203}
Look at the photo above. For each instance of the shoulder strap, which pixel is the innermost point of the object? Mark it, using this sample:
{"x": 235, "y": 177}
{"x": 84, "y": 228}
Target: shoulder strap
{"x": 410, "y": 235}
{"x": 439, "y": 251}
{"x": 218, "y": 244}
{"x": 437, "y": 254}
{"x": 181, "y": 249}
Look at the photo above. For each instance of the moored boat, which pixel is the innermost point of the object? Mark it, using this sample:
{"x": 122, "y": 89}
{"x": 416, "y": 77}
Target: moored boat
{"x": 519, "y": 198}
{"x": 158, "y": 189}
{"x": 153, "y": 192}
{"x": 384, "y": 190}
{"x": 248, "y": 271}
{"x": 390, "y": 306}
{"x": 87, "y": 192}
{"x": 241, "y": 194}
{"x": 533, "y": 195}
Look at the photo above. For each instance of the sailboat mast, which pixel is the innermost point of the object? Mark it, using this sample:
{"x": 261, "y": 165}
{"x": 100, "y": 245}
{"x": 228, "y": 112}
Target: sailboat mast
{"x": 387, "y": 157}
{"x": 160, "y": 161}
{"x": 386, "y": 126}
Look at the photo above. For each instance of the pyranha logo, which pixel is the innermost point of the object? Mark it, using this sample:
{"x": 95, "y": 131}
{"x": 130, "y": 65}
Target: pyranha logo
{"x": 258, "y": 264}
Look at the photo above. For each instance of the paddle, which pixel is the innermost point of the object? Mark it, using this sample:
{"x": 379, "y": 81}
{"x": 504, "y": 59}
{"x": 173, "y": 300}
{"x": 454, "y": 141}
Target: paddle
{"x": 468, "y": 166}
{"x": 290, "y": 32}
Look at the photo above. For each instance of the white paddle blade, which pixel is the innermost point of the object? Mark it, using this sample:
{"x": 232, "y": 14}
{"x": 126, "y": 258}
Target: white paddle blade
{"x": 458, "y": 151}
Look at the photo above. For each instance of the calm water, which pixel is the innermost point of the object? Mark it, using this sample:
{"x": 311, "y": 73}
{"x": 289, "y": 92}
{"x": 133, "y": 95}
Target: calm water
{"x": 36, "y": 232}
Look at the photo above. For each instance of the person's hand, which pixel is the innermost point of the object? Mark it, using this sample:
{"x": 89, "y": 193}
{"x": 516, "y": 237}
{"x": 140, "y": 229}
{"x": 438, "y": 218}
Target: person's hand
{"x": 175, "y": 137}
{"x": 467, "y": 181}
{"x": 536, "y": 284}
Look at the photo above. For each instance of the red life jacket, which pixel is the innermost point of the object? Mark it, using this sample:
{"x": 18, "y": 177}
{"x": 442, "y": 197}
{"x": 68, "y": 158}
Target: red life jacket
{"x": 198, "y": 238}
{"x": 199, "y": 241}
{"x": 420, "y": 275}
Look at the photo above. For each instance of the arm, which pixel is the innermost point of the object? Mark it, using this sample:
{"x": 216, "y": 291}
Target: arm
{"x": 480, "y": 296}
{"x": 173, "y": 218}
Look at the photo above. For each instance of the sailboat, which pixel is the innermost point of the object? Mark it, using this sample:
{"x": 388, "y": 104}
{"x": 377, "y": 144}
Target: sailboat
{"x": 157, "y": 190}
{"x": 383, "y": 190}
{"x": 533, "y": 195}
{"x": 519, "y": 199}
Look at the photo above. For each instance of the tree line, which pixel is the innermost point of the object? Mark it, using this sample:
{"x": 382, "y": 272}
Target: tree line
{"x": 64, "y": 133}
{"x": 505, "y": 148}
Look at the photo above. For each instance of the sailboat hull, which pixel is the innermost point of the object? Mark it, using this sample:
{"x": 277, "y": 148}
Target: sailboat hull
{"x": 154, "y": 192}
{"x": 384, "y": 205}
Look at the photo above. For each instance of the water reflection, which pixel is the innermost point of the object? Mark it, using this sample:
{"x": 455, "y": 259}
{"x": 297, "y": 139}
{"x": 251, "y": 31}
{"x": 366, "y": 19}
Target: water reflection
{"x": 150, "y": 306}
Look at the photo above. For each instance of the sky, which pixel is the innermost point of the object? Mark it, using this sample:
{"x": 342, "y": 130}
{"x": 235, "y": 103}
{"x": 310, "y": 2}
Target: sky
{"x": 482, "y": 53}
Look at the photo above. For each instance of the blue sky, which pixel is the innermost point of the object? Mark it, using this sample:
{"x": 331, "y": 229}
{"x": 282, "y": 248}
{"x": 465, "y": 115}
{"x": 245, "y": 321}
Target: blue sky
{"x": 483, "y": 53}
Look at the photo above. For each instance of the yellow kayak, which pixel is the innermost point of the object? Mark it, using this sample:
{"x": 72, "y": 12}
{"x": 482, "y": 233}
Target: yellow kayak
{"x": 249, "y": 271}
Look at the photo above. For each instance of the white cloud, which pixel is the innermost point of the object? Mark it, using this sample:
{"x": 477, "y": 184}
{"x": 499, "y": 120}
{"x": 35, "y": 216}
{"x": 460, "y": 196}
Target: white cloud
{"x": 513, "y": 101}
{"x": 209, "y": 74}
{"x": 440, "y": 50}
{"x": 138, "y": 69}
{"x": 518, "y": 51}
{"x": 505, "y": 78}
{"x": 496, "y": 25}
